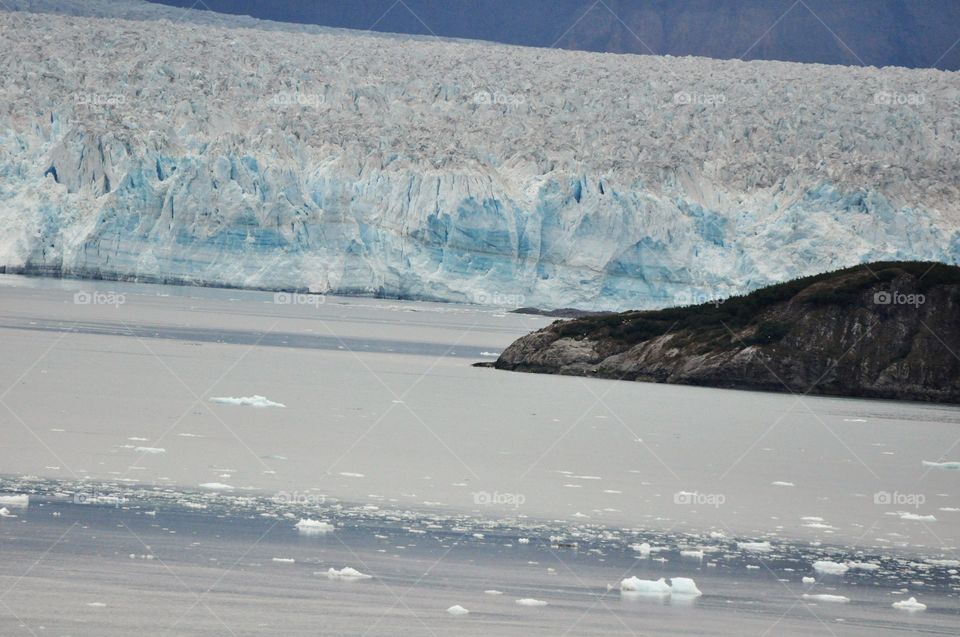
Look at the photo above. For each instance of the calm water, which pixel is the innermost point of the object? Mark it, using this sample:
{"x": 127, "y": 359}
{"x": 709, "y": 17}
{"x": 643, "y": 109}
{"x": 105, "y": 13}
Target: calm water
{"x": 389, "y": 433}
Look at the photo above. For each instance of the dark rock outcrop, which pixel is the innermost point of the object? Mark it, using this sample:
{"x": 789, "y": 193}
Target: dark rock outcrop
{"x": 884, "y": 330}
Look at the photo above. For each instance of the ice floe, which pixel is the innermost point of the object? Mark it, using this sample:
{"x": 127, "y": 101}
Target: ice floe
{"x": 911, "y": 605}
{"x": 457, "y": 609}
{"x": 952, "y": 466}
{"x": 809, "y": 580}
{"x": 493, "y": 592}
{"x": 19, "y": 500}
{"x": 645, "y": 586}
{"x": 755, "y": 547}
{"x": 684, "y": 586}
{"x": 529, "y": 601}
{"x": 830, "y": 568}
{"x": 259, "y": 402}
{"x": 153, "y": 450}
{"x": 824, "y": 597}
{"x": 5, "y": 513}
{"x": 347, "y": 573}
{"x": 916, "y": 517}
{"x": 308, "y": 526}
{"x": 216, "y": 486}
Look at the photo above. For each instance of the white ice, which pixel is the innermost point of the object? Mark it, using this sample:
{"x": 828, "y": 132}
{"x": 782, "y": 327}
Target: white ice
{"x": 18, "y": 500}
{"x": 823, "y": 597}
{"x": 457, "y": 610}
{"x": 259, "y": 402}
{"x": 830, "y": 568}
{"x": 308, "y": 526}
{"x": 347, "y": 573}
{"x": 911, "y": 605}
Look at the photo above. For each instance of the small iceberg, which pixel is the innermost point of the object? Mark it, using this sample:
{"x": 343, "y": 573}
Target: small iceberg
{"x": 457, "y": 609}
{"x": 915, "y": 517}
{"x": 529, "y": 601}
{"x": 950, "y": 466}
{"x": 823, "y": 597}
{"x": 307, "y": 526}
{"x": 5, "y": 513}
{"x": 645, "y": 586}
{"x": 216, "y": 486}
{"x": 863, "y": 566}
{"x": 285, "y": 560}
{"x": 259, "y": 402}
{"x": 150, "y": 450}
{"x": 755, "y": 547}
{"x": 684, "y": 586}
{"x": 493, "y": 592}
{"x": 910, "y": 605}
{"x": 347, "y": 574}
{"x": 20, "y": 501}
{"x": 830, "y": 568}
{"x": 780, "y": 483}
{"x": 809, "y": 580}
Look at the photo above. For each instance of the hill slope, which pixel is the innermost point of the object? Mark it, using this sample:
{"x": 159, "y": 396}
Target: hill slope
{"x": 887, "y": 330}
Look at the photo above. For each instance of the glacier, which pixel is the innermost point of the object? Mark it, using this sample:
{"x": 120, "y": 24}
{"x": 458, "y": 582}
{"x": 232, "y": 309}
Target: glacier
{"x": 195, "y": 148}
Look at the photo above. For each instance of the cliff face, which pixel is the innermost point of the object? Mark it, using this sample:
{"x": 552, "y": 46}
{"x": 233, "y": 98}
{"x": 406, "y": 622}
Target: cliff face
{"x": 239, "y": 154}
{"x": 887, "y": 330}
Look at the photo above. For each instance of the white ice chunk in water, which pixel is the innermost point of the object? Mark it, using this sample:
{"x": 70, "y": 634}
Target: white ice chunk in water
{"x": 645, "y": 586}
{"x": 493, "y": 592}
{"x": 457, "y": 609}
{"x": 153, "y": 450}
{"x": 308, "y": 526}
{"x": 952, "y": 466}
{"x": 823, "y": 597}
{"x": 284, "y": 560}
{"x": 809, "y": 580}
{"x": 5, "y": 513}
{"x": 529, "y": 601}
{"x": 216, "y": 486}
{"x": 911, "y": 605}
{"x": 830, "y": 568}
{"x": 684, "y": 586}
{"x": 17, "y": 500}
{"x": 915, "y": 517}
{"x": 347, "y": 573}
{"x": 755, "y": 547}
{"x": 259, "y": 402}
{"x": 863, "y": 566}
{"x": 780, "y": 483}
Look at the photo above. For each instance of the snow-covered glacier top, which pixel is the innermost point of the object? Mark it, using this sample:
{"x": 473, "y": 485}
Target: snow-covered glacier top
{"x": 219, "y": 151}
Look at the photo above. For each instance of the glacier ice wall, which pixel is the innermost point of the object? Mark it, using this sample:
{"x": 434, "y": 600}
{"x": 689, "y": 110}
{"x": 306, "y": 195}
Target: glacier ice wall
{"x": 164, "y": 149}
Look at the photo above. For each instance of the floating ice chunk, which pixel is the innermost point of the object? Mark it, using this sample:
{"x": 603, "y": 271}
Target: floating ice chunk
{"x": 915, "y": 517}
{"x": 491, "y": 354}
{"x": 259, "y": 402}
{"x": 308, "y": 526}
{"x": 809, "y": 580}
{"x": 216, "y": 486}
{"x": 780, "y": 483}
{"x": 493, "y": 592}
{"x": 952, "y": 466}
{"x": 457, "y": 610}
{"x": 642, "y": 549}
{"x": 863, "y": 566}
{"x": 350, "y": 474}
{"x": 755, "y": 547}
{"x": 717, "y": 535}
{"x": 911, "y": 605}
{"x": 695, "y": 554}
{"x": 943, "y": 562}
{"x": 523, "y": 540}
{"x": 684, "y": 586}
{"x": 150, "y": 450}
{"x": 5, "y": 513}
{"x": 823, "y": 597}
{"x": 138, "y": 439}
{"x": 284, "y": 560}
{"x": 347, "y": 573}
{"x": 830, "y": 568}
{"x": 645, "y": 586}
{"x": 96, "y": 604}
{"x": 17, "y": 500}
{"x": 529, "y": 601}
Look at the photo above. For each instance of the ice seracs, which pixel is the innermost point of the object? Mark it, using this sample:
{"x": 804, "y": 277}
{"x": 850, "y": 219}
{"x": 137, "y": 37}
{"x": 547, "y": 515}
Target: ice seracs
{"x": 364, "y": 177}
